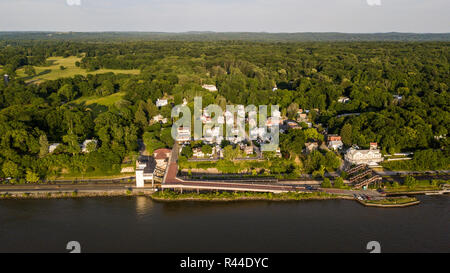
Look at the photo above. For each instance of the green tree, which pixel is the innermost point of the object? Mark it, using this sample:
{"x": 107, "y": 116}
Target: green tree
{"x": 326, "y": 183}
{"x": 43, "y": 143}
{"x": 106, "y": 88}
{"x": 10, "y": 169}
{"x": 187, "y": 151}
{"x": 140, "y": 117}
{"x": 230, "y": 153}
{"x": 73, "y": 146}
{"x": 207, "y": 149}
{"x": 67, "y": 91}
{"x": 346, "y": 134}
{"x": 166, "y": 137}
{"x": 29, "y": 70}
{"x": 31, "y": 176}
{"x": 312, "y": 133}
{"x": 292, "y": 110}
{"x": 410, "y": 182}
{"x": 151, "y": 142}
{"x": 339, "y": 183}
{"x": 91, "y": 146}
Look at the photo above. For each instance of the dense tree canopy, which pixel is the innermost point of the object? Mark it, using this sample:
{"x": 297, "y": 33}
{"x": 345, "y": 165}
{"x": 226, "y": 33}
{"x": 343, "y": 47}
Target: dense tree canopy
{"x": 308, "y": 75}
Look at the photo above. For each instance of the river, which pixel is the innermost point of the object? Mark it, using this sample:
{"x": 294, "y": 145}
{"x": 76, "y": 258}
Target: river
{"x": 138, "y": 224}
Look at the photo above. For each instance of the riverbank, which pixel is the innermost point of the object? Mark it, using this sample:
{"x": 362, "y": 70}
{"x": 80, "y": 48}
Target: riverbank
{"x": 48, "y": 193}
{"x": 393, "y": 202}
{"x": 170, "y": 196}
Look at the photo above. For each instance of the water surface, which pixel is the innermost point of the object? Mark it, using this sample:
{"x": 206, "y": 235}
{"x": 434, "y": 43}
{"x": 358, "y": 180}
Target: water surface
{"x": 138, "y": 224}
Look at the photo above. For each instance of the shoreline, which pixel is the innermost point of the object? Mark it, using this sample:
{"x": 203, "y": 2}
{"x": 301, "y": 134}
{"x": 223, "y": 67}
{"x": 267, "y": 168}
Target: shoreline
{"x": 243, "y": 198}
{"x": 63, "y": 194}
{"x": 375, "y": 205}
{"x": 171, "y": 196}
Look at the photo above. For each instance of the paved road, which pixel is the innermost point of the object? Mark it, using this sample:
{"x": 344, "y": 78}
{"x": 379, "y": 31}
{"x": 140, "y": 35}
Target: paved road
{"x": 370, "y": 193}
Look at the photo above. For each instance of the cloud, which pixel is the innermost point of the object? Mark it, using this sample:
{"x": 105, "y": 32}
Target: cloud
{"x": 73, "y": 2}
{"x": 374, "y": 3}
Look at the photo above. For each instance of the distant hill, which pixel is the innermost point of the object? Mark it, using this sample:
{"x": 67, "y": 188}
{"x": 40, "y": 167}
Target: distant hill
{"x": 222, "y": 36}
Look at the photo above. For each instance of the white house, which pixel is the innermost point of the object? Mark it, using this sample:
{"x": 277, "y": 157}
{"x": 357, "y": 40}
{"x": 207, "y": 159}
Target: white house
{"x": 210, "y": 87}
{"x": 198, "y": 153}
{"x": 183, "y": 134}
{"x": 160, "y": 118}
{"x": 161, "y": 102}
{"x": 368, "y": 157}
{"x": 398, "y": 97}
{"x": 52, "y": 147}
{"x": 144, "y": 171}
{"x": 335, "y": 142}
{"x": 343, "y": 100}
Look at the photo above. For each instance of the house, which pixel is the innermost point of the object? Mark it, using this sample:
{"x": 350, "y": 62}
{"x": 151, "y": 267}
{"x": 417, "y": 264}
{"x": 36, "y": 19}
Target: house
{"x": 85, "y": 147}
{"x": 369, "y": 157}
{"x": 302, "y": 117}
{"x": 161, "y": 102}
{"x": 210, "y": 87}
{"x": 145, "y": 167}
{"x": 278, "y": 152}
{"x": 257, "y": 132}
{"x": 398, "y": 97}
{"x": 161, "y": 157}
{"x": 344, "y": 100}
{"x": 52, "y": 147}
{"x": 293, "y": 125}
{"x": 213, "y": 135}
{"x": 335, "y": 142}
{"x": 183, "y": 134}
{"x": 248, "y": 149}
{"x": 373, "y": 145}
{"x": 159, "y": 118}
{"x": 311, "y": 146}
{"x": 198, "y": 153}
{"x": 273, "y": 121}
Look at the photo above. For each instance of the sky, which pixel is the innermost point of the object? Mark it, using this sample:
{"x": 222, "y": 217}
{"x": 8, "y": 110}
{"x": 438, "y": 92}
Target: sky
{"x": 351, "y": 16}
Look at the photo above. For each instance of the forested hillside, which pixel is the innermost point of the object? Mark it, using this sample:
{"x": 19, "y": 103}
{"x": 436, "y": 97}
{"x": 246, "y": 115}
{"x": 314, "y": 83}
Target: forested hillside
{"x": 308, "y": 75}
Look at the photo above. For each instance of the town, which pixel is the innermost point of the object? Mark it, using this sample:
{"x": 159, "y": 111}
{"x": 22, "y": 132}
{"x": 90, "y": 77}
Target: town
{"x": 358, "y": 168}
{"x": 217, "y": 125}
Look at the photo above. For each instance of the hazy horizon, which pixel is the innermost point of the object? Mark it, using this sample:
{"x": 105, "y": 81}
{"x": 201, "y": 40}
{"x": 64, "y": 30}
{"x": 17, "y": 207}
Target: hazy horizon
{"x": 257, "y": 16}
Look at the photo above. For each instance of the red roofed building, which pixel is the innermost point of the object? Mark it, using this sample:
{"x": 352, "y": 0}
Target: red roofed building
{"x": 161, "y": 156}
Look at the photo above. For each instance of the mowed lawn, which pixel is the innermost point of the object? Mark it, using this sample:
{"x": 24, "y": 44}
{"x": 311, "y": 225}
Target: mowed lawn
{"x": 53, "y": 72}
{"x": 106, "y": 101}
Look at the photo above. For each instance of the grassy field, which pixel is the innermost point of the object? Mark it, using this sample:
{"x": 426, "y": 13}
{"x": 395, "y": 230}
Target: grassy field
{"x": 54, "y": 72}
{"x": 393, "y": 201}
{"x": 417, "y": 188}
{"x": 106, "y": 101}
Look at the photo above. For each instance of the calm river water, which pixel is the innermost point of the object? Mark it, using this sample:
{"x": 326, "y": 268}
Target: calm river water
{"x": 137, "y": 224}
